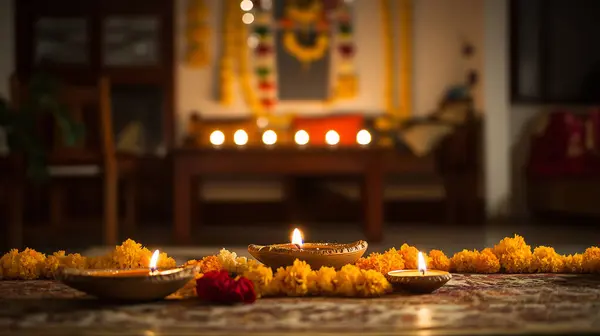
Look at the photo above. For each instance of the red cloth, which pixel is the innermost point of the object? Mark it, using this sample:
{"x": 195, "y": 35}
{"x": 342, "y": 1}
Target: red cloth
{"x": 560, "y": 150}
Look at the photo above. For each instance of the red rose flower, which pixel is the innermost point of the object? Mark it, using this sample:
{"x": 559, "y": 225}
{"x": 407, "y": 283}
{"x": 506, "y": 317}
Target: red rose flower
{"x": 219, "y": 287}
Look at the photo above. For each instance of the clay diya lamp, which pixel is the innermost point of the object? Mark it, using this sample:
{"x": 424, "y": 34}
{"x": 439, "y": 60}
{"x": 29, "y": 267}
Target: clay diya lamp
{"x": 135, "y": 285}
{"x": 420, "y": 281}
{"x": 316, "y": 255}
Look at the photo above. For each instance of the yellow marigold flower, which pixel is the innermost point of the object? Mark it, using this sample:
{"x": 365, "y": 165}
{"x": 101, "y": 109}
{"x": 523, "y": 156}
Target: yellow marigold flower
{"x": 261, "y": 276}
{"x": 464, "y": 261}
{"x": 514, "y": 254}
{"x": 591, "y": 260}
{"x": 573, "y": 263}
{"x": 53, "y": 264}
{"x": 487, "y": 262}
{"x": 100, "y": 262}
{"x": 26, "y": 265}
{"x": 9, "y": 264}
{"x": 371, "y": 283}
{"x": 410, "y": 255}
{"x": 346, "y": 280}
{"x": 383, "y": 263}
{"x": 438, "y": 261}
{"x": 164, "y": 261}
{"x": 292, "y": 280}
{"x": 322, "y": 282}
{"x": 546, "y": 260}
{"x": 227, "y": 260}
{"x": 210, "y": 263}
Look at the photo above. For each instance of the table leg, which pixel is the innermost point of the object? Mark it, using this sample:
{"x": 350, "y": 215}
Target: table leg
{"x": 372, "y": 198}
{"x": 15, "y": 224}
{"x": 182, "y": 207}
{"x": 131, "y": 203}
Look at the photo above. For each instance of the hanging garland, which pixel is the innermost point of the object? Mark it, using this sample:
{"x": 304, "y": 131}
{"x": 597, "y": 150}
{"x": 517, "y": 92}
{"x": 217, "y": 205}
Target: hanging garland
{"x": 306, "y": 54}
{"x": 312, "y": 16}
{"x": 265, "y": 67}
{"x": 308, "y": 16}
{"x": 346, "y": 86}
{"x": 405, "y": 75}
{"x": 198, "y": 34}
{"x": 248, "y": 91}
{"x": 230, "y": 49}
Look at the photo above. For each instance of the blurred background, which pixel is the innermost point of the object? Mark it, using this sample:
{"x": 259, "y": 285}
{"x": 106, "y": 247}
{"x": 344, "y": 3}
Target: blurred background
{"x": 197, "y": 124}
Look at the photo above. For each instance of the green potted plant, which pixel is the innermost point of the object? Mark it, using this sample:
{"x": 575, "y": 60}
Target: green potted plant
{"x": 21, "y": 123}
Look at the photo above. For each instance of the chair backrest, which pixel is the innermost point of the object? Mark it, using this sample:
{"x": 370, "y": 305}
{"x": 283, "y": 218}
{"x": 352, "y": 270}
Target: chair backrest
{"x": 89, "y": 105}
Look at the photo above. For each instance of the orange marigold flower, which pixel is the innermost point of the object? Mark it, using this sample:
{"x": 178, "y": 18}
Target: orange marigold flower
{"x": 210, "y": 263}
{"x": 410, "y": 255}
{"x": 438, "y": 261}
{"x": 514, "y": 254}
{"x": 591, "y": 260}
{"x": 464, "y": 261}
{"x": 546, "y": 260}
{"x": 573, "y": 263}
{"x": 383, "y": 263}
{"x": 487, "y": 262}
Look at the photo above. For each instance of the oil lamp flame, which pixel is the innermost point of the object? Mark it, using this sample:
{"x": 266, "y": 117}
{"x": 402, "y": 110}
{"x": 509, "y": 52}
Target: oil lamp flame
{"x": 297, "y": 238}
{"x": 154, "y": 261}
{"x": 421, "y": 263}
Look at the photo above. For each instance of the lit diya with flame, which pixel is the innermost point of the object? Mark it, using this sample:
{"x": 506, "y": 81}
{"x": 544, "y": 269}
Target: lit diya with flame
{"x": 420, "y": 280}
{"x": 147, "y": 284}
{"x": 315, "y": 254}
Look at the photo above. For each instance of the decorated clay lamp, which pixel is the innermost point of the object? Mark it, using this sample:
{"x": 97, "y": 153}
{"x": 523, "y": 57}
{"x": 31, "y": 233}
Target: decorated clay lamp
{"x": 421, "y": 280}
{"x": 131, "y": 284}
{"x": 315, "y": 254}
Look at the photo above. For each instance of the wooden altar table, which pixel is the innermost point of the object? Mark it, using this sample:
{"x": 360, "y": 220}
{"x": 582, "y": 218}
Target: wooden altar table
{"x": 370, "y": 164}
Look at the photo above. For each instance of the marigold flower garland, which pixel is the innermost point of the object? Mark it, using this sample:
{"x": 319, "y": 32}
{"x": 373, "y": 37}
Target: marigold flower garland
{"x": 198, "y": 34}
{"x": 363, "y": 279}
{"x": 346, "y": 86}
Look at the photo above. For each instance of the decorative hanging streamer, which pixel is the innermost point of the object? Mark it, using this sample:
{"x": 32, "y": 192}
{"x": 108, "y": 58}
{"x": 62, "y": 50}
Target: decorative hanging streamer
{"x": 197, "y": 34}
{"x": 248, "y": 91}
{"x": 346, "y": 85}
{"x": 264, "y": 60}
{"x": 388, "y": 53}
{"x": 230, "y": 49}
{"x": 406, "y": 43}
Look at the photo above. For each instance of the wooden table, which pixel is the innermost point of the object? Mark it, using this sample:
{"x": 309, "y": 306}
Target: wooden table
{"x": 368, "y": 164}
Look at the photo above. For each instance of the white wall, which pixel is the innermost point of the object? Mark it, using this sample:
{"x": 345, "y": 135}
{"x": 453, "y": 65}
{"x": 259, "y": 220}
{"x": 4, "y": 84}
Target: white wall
{"x": 497, "y": 108}
{"x": 439, "y": 26}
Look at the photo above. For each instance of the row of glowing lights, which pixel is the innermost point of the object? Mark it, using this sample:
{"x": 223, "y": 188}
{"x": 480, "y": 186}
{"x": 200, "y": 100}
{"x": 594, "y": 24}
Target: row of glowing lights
{"x": 269, "y": 138}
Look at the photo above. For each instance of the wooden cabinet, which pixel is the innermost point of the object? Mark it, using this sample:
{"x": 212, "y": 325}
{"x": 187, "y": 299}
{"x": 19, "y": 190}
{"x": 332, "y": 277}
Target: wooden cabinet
{"x": 130, "y": 41}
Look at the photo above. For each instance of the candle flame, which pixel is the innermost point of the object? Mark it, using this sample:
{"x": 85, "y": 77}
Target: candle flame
{"x": 297, "y": 237}
{"x": 422, "y": 264}
{"x": 154, "y": 260}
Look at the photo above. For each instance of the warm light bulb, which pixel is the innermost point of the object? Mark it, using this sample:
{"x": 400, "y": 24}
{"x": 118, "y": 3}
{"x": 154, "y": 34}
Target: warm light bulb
{"x": 269, "y": 137}
{"x": 301, "y": 137}
{"x": 253, "y": 41}
{"x": 248, "y": 18}
{"x": 297, "y": 238}
{"x": 240, "y": 137}
{"x": 246, "y": 5}
{"x": 363, "y": 137}
{"x": 332, "y": 138}
{"x": 217, "y": 138}
{"x": 421, "y": 263}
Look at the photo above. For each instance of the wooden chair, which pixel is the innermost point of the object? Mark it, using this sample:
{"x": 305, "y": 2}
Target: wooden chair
{"x": 94, "y": 155}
